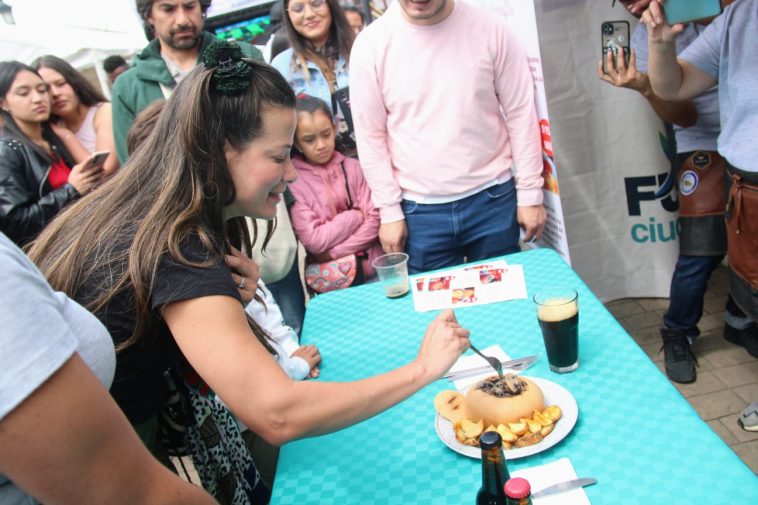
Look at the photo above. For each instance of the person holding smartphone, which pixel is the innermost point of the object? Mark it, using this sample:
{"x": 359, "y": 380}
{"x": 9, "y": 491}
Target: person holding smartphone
{"x": 81, "y": 115}
{"x": 724, "y": 54}
{"x": 702, "y": 193}
{"x": 38, "y": 175}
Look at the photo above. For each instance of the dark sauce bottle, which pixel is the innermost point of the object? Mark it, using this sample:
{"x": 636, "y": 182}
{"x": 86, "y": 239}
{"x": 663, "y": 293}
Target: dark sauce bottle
{"x": 494, "y": 471}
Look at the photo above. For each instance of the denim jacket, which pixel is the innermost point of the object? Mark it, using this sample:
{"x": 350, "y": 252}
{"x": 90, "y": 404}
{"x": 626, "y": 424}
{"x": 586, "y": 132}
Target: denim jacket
{"x": 286, "y": 63}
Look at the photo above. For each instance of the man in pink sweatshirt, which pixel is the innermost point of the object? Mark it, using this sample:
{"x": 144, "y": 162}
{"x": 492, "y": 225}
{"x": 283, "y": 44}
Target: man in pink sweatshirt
{"x": 443, "y": 103}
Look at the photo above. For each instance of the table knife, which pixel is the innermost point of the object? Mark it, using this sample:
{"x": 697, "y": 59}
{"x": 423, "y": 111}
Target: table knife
{"x": 564, "y": 486}
{"x": 522, "y": 363}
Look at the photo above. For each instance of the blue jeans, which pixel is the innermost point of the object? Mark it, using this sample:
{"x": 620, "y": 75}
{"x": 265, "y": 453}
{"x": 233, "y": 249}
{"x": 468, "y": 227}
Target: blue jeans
{"x": 289, "y": 295}
{"x": 688, "y": 285}
{"x": 478, "y": 227}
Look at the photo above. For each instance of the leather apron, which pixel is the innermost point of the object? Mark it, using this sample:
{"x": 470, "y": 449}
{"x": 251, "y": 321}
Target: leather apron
{"x": 703, "y": 185}
{"x": 742, "y": 234}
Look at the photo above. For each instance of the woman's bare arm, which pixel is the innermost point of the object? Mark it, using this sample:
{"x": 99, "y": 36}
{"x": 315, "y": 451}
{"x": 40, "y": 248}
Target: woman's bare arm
{"x": 213, "y": 335}
{"x": 68, "y": 443}
{"x": 671, "y": 79}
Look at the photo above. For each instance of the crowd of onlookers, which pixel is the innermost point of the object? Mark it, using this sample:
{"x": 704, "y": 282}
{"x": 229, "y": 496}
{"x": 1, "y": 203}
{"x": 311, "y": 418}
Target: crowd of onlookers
{"x": 147, "y": 224}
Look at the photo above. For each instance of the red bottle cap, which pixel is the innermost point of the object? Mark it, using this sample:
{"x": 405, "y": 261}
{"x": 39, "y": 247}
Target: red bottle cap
{"x": 517, "y": 488}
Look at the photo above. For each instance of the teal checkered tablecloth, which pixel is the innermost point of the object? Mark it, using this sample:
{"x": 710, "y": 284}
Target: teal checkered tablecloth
{"x": 636, "y": 434}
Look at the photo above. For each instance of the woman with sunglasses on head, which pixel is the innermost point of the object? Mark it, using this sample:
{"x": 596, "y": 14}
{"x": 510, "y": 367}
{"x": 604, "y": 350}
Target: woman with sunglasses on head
{"x": 38, "y": 176}
{"x": 317, "y": 62}
{"x": 81, "y": 115}
{"x": 150, "y": 264}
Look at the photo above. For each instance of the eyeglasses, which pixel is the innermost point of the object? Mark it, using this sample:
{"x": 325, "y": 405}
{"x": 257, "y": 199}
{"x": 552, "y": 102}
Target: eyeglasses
{"x": 299, "y": 8}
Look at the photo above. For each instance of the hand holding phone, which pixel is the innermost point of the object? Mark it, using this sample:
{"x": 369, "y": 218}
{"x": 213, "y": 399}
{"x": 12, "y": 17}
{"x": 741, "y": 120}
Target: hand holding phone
{"x": 615, "y": 35}
{"x": 96, "y": 161}
{"x": 684, "y": 11}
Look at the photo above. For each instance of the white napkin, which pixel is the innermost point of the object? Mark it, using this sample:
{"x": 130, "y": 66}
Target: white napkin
{"x": 542, "y": 476}
{"x": 473, "y": 360}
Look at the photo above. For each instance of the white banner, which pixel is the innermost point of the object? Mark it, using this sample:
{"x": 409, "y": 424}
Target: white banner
{"x": 609, "y": 146}
{"x": 522, "y": 21}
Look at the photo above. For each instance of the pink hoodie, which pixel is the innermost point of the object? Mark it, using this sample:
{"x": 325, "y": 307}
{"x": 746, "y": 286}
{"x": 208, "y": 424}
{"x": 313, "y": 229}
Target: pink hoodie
{"x": 321, "y": 217}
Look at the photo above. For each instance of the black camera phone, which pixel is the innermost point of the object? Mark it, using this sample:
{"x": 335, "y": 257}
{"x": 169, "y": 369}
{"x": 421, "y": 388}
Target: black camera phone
{"x": 615, "y": 35}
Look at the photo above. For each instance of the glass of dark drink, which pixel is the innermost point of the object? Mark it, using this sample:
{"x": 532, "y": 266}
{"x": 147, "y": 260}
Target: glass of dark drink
{"x": 558, "y": 315}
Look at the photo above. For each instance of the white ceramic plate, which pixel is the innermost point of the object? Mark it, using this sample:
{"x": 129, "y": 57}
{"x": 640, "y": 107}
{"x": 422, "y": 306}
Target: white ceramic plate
{"x": 554, "y": 395}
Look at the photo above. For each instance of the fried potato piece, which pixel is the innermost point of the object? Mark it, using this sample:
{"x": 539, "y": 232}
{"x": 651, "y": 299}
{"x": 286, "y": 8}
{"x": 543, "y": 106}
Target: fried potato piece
{"x": 553, "y": 412}
{"x": 547, "y": 430}
{"x": 449, "y": 404}
{"x": 529, "y": 439}
{"x": 518, "y": 428}
{"x": 542, "y": 419}
{"x": 534, "y": 426}
{"x": 459, "y": 436}
{"x": 472, "y": 429}
{"x": 507, "y": 435}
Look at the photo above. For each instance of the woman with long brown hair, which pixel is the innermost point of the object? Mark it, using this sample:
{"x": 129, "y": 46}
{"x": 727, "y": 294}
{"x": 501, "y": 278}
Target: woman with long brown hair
{"x": 146, "y": 255}
{"x": 38, "y": 176}
{"x": 81, "y": 114}
{"x": 318, "y": 60}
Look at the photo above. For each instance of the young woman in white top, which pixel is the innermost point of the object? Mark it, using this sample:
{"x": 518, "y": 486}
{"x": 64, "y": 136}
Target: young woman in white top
{"x": 83, "y": 114}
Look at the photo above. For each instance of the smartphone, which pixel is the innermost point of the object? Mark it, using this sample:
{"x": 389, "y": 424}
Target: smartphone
{"x": 684, "y": 11}
{"x": 97, "y": 159}
{"x": 615, "y": 34}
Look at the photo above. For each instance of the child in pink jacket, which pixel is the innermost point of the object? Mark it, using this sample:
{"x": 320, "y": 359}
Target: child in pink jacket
{"x": 333, "y": 215}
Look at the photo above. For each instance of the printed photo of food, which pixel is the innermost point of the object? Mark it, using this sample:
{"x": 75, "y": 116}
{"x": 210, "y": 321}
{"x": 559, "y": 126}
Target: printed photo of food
{"x": 464, "y": 295}
{"x": 440, "y": 283}
{"x": 490, "y": 276}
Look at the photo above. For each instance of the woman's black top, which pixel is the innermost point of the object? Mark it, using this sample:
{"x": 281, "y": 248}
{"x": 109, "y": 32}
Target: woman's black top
{"x": 139, "y": 386}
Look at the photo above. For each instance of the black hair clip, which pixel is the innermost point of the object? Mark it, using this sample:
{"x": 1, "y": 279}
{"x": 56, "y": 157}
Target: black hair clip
{"x": 233, "y": 74}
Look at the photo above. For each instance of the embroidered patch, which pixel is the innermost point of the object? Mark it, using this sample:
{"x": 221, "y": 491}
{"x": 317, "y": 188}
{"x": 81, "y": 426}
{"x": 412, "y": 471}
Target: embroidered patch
{"x": 701, "y": 159}
{"x": 688, "y": 182}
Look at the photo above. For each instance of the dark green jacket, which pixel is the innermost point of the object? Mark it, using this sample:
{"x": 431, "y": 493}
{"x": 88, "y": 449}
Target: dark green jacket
{"x": 139, "y": 86}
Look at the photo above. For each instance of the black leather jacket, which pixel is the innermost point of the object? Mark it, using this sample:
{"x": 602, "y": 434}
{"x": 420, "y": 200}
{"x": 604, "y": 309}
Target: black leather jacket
{"x": 27, "y": 201}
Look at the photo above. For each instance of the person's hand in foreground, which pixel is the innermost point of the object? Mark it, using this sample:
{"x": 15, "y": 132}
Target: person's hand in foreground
{"x": 245, "y": 268}
{"x": 658, "y": 30}
{"x": 392, "y": 236}
{"x": 532, "y": 219}
{"x": 623, "y": 76}
{"x": 445, "y": 340}
{"x": 312, "y": 356}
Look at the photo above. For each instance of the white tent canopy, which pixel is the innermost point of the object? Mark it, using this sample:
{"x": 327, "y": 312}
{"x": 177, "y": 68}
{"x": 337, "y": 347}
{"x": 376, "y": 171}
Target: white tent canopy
{"x": 84, "y": 48}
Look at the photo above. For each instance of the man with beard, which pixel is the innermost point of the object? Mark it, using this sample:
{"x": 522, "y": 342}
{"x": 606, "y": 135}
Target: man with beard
{"x": 444, "y": 113}
{"x": 174, "y": 28}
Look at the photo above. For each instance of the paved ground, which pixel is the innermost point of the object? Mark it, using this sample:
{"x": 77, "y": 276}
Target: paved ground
{"x": 727, "y": 376}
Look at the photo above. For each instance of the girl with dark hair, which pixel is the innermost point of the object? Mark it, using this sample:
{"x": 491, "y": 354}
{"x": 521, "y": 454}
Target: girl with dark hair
{"x": 36, "y": 175}
{"x": 333, "y": 215}
{"x": 146, "y": 254}
{"x": 317, "y": 62}
{"x": 81, "y": 115}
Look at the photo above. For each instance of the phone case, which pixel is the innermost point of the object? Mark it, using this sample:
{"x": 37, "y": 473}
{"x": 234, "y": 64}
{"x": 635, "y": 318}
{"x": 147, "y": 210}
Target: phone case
{"x": 684, "y": 11}
{"x": 615, "y": 34}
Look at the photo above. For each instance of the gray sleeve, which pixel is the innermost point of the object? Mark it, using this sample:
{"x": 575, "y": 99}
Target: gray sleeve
{"x": 705, "y": 51}
{"x": 35, "y": 340}
{"x": 639, "y": 45}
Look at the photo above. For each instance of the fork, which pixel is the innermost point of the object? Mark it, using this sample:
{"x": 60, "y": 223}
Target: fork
{"x": 494, "y": 362}
{"x": 515, "y": 365}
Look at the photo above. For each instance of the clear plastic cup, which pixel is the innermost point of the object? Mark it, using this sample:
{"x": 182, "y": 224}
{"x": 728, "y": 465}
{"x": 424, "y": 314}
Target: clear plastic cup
{"x": 392, "y": 269}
